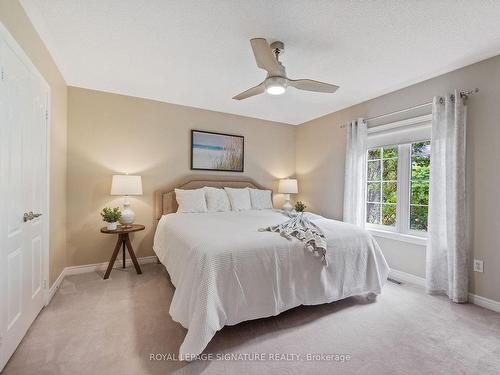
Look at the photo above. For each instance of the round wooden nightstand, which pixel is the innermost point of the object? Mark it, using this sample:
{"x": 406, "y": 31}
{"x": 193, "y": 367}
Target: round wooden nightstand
{"x": 123, "y": 241}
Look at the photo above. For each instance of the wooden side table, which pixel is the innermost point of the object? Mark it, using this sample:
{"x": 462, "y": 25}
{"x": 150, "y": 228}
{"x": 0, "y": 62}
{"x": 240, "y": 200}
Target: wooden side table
{"x": 123, "y": 241}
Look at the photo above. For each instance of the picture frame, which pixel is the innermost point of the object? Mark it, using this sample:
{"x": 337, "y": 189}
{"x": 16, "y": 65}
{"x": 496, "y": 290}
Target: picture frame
{"x": 211, "y": 151}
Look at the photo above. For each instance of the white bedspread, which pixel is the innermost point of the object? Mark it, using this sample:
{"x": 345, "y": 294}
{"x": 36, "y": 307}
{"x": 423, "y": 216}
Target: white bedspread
{"x": 225, "y": 271}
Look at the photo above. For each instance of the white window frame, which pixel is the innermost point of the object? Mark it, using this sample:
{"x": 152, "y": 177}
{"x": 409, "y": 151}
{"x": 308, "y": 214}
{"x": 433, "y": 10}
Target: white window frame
{"x": 401, "y": 230}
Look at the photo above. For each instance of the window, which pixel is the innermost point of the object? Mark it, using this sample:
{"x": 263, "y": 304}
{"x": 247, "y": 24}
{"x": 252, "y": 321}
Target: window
{"x": 397, "y": 187}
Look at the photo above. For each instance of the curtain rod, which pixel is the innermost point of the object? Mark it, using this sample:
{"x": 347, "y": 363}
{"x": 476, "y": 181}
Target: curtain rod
{"x": 463, "y": 94}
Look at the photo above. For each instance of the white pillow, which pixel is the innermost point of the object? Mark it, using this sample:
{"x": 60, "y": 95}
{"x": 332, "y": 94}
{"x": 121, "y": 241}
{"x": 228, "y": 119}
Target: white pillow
{"x": 217, "y": 199}
{"x": 191, "y": 200}
{"x": 239, "y": 198}
{"x": 261, "y": 199}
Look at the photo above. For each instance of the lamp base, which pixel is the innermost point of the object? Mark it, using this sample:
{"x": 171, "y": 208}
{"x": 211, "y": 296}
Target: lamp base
{"x": 128, "y": 216}
{"x": 287, "y": 206}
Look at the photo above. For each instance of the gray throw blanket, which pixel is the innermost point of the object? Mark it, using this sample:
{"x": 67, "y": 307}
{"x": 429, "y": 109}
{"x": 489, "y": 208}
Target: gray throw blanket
{"x": 304, "y": 230}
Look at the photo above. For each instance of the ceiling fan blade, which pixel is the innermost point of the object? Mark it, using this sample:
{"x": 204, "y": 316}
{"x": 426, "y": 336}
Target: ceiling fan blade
{"x": 256, "y": 90}
{"x": 311, "y": 85}
{"x": 264, "y": 56}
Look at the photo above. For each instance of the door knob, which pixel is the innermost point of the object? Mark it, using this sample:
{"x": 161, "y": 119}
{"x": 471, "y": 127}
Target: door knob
{"x": 30, "y": 216}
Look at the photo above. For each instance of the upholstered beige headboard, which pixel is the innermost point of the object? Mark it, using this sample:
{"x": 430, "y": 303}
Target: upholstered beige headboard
{"x": 165, "y": 202}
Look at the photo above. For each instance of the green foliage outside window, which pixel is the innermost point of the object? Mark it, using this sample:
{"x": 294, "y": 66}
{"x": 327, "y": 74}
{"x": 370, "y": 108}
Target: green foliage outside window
{"x": 419, "y": 194}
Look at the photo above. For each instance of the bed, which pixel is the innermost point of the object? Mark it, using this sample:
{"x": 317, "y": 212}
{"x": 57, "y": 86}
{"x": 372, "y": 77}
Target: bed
{"x": 226, "y": 271}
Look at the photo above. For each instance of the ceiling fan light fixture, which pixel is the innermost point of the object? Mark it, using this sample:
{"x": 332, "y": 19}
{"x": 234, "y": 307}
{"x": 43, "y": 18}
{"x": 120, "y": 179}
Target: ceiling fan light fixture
{"x": 276, "y": 85}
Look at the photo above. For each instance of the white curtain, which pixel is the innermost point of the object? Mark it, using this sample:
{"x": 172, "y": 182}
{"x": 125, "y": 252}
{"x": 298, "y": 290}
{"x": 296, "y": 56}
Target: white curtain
{"x": 355, "y": 172}
{"x": 447, "y": 246}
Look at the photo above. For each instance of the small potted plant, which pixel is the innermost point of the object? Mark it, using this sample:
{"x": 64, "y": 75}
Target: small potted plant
{"x": 111, "y": 217}
{"x": 300, "y": 206}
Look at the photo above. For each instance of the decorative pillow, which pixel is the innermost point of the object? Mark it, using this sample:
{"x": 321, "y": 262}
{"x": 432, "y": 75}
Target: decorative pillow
{"x": 239, "y": 198}
{"x": 217, "y": 199}
{"x": 191, "y": 200}
{"x": 261, "y": 199}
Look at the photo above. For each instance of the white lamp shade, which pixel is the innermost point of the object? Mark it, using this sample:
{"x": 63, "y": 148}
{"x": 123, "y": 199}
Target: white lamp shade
{"x": 126, "y": 185}
{"x": 288, "y": 186}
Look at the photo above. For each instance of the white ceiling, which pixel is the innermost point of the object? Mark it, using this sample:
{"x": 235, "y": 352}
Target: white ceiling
{"x": 197, "y": 53}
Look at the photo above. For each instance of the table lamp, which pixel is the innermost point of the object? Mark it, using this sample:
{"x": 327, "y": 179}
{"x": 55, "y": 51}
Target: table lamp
{"x": 288, "y": 186}
{"x": 126, "y": 185}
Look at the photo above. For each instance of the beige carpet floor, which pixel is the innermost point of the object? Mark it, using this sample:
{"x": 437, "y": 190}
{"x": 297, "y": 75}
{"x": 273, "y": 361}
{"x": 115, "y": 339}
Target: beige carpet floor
{"x": 111, "y": 327}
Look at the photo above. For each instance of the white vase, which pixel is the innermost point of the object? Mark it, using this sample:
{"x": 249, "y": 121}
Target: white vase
{"x": 128, "y": 216}
{"x": 112, "y": 226}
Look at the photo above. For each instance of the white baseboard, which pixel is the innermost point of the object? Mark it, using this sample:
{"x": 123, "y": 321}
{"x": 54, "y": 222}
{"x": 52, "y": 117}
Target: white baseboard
{"x": 420, "y": 281}
{"x": 406, "y": 277}
{"x": 53, "y": 289}
{"x": 484, "y": 302}
{"x": 75, "y": 270}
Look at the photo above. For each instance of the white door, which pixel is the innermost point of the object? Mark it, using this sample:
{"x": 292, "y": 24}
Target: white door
{"x": 23, "y": 173}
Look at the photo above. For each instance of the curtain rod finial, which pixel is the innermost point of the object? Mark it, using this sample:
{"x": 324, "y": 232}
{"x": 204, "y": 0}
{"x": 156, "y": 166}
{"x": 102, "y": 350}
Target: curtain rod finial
{"x": 466, "y": 94}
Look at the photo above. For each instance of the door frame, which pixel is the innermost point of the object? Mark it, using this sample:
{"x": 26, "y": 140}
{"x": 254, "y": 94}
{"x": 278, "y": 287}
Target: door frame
{"x": 18, "y": 50}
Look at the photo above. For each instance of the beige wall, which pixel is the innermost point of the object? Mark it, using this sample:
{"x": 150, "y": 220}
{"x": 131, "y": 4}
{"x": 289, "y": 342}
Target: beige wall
{"x": 320, "y": 165}
{"x": 112, "y": 134}
{"x": 14, "y": 18}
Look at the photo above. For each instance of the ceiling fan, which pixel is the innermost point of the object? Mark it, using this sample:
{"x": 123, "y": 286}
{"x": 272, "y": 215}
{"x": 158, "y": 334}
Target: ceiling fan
{"x": 276, "y": 82}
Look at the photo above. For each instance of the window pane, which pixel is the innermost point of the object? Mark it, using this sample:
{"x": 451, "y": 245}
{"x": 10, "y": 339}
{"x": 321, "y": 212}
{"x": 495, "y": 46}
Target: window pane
{"x": 419, "y": 192}
{"x": 389, "y": 190}
{"x": 418, "y": 218}
{"x": 389, "y": 214}
{"x": 374, "y": 154}
{"x": 390, "y": 170}
{"x": 419, "y": 184}
{"x": 374, "y": 172}
{"x": 390, "y": 152}
{"x": 382, "y": 186}
{"x": 421, "y": 148}
{"x": 373, "y": 213}
{"x": 420, "y": 167}
{"x": 374, "y": 192}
